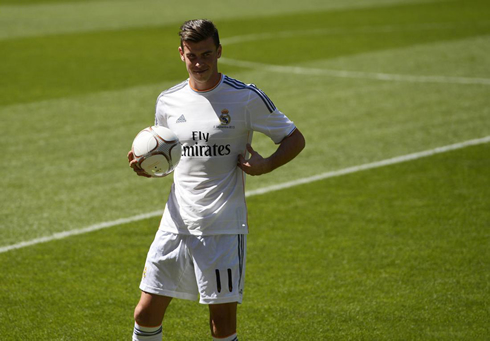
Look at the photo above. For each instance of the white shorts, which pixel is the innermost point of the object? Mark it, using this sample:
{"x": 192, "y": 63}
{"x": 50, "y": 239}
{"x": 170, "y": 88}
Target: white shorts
{"x": 211, "y": 268}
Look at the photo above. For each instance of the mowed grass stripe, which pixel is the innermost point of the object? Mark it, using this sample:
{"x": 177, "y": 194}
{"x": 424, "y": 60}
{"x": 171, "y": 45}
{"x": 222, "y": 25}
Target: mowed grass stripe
{"x": 380, "y": 254}
{"x": 260, "y": 191}
{"x": 67, "y": 65}
{"x": 345, "y": 30}
{"x": 23, "y": 18}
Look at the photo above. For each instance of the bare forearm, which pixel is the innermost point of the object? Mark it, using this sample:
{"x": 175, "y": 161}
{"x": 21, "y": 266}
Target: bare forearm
{"x": 288, "y": 149}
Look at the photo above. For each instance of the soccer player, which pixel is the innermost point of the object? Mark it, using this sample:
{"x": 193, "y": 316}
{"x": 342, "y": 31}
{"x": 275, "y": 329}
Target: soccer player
{"x": 200, "y": 248}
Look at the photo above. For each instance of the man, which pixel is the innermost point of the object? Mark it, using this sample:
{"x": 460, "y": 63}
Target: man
{"x": 200, "y": 247}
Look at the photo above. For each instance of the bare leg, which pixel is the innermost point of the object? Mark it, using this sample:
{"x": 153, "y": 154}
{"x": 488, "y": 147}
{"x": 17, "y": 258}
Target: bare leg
{"x": 150, "y": 310}
{"x": 222, "y": 319}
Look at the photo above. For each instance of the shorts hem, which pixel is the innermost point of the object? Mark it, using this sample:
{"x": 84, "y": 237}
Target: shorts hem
{"x": 187, "y": 232}
{"x": 169, "y": 293}
{"x": 218, "y": 300}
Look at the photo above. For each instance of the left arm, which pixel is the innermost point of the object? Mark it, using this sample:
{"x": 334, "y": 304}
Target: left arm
{"x": 288, "y": 149}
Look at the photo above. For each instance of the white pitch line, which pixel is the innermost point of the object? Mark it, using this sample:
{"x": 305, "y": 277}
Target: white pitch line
{"x": 349, "y": 170}
{"x": 355, "y": 74}
{"x": 377, "y": 164}
{"x": 91, "y": 228}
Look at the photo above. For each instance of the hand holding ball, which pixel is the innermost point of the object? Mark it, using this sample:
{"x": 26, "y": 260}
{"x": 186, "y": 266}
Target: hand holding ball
{"x": 156, "y": 150}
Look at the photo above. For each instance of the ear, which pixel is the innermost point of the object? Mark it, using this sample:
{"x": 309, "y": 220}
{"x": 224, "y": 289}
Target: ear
{"x": 219, "y": 51}
{"x": 181, "y": 52}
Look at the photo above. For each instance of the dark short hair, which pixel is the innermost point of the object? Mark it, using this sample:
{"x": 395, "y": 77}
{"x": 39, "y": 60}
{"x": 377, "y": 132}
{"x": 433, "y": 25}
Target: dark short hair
{"x": 198, "y": 30}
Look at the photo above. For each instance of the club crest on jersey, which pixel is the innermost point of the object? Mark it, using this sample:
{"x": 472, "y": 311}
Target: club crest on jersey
{"x": 225, "y": 120}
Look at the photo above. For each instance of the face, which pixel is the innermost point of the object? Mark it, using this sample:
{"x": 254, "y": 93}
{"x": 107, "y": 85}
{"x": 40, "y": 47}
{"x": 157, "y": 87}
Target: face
{"x": 201, "y": 61}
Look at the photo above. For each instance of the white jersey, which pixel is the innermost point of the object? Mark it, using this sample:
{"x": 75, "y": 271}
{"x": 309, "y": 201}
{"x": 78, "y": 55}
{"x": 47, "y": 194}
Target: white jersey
{"x": 214, "y": 127}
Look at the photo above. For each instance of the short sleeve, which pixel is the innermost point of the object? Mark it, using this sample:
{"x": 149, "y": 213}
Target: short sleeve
{"x": 160, "y": 118}
{"x": 266, "y": 118}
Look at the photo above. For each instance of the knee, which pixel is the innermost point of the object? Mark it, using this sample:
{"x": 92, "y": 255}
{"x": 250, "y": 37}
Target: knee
{"x": 141, "y": 315}
{"x": 150, "y": 310}
{"x": 147, "y": 316}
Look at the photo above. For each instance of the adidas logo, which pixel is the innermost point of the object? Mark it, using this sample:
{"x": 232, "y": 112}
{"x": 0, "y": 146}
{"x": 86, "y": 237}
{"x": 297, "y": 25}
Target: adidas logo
{"x": 181, "y": 119}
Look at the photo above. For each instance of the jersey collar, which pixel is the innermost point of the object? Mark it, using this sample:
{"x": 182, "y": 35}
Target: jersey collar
{"x": 208, "y": 90}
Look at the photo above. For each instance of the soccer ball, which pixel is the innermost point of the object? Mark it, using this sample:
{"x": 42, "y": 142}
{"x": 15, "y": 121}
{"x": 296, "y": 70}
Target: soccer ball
{"x": 157, "y": 151}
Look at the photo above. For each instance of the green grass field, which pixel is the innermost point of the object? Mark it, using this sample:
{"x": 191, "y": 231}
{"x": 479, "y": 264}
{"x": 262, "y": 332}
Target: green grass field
{"x": 400, "y": 252}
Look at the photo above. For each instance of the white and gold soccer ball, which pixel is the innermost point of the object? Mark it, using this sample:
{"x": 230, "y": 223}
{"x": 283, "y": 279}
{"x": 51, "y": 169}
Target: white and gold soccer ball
{"x": 157, "y": 151}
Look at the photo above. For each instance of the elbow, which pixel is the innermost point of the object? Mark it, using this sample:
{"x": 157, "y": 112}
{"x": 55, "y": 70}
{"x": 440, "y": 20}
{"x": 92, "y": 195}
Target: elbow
{"x": 300, "y": 140}
{"x": 303, "y": 142}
